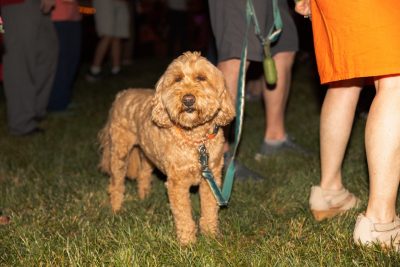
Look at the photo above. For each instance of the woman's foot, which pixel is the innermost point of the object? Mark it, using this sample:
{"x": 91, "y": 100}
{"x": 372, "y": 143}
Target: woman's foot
{"x": 368, "y": 233}
{"x": 326, "y": 204}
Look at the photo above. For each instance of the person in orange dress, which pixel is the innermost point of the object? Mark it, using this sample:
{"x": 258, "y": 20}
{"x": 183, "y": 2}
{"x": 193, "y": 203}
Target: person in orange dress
{"x": 358, "y": 41}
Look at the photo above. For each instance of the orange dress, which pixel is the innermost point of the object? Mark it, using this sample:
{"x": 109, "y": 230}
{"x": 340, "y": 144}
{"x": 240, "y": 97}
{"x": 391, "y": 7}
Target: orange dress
{"x": 356, "y": 38}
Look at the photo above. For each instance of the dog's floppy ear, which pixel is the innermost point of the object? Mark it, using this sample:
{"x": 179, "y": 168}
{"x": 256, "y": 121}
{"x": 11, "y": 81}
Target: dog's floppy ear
{"x": 227, "y": 110}
{"x": 159, "y": 113}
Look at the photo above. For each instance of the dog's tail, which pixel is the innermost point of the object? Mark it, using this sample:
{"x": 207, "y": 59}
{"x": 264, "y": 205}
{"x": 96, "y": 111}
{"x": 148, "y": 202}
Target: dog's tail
{"x": 104, "y": 140}
{"x": 134, "y": 163}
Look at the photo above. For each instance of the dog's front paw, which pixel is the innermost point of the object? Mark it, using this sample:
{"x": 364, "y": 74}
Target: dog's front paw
{"x": 187, "y": 236}
{"x": 116, "y": 200}
{"x": 187, "y": 240}
{"x": 209, "y": 227}
{"x": 116, "y": 206}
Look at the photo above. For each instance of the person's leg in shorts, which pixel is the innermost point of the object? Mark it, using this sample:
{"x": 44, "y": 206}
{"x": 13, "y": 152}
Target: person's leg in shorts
{"x": 104, "y": 22}
{"x": 275, "y": 96}
{"x": 227, "y": 18}
{"x": 120, "y": 31}
{"x": 229, "y": 38}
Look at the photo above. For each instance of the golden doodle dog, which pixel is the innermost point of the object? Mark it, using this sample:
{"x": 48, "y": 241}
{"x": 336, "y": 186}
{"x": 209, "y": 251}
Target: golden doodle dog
{"x": 163, "y": 129}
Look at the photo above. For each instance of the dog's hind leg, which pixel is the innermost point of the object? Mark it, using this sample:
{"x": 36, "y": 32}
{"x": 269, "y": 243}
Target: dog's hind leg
{"x": 134, "y": 163}
{"x": 179, "y": 198}
{"x": 144, "y": 178}
{"x": 121, "y": 144}
{"x": 140, "y": 168}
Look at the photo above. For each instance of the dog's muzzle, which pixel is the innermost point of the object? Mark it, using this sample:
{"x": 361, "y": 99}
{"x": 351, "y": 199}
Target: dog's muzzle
{"x": 188, "y": 101}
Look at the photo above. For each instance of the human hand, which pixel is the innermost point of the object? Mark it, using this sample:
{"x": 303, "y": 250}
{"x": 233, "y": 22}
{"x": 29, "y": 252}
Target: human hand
{"x": 303, "y": 8}
{"x": 46, "y": 5}
{"x": 1, "y": 26}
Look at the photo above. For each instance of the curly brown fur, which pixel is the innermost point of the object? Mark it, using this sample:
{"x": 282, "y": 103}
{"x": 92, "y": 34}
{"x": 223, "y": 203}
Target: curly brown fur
{"x": 163, "y": 129}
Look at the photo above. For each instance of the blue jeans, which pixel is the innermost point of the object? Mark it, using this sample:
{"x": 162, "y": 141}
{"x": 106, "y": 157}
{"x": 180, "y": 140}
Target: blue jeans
{"x": 69, "y": 36}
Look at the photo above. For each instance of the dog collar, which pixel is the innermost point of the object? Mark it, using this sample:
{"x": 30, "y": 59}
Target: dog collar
{"x": 211, "y": 134}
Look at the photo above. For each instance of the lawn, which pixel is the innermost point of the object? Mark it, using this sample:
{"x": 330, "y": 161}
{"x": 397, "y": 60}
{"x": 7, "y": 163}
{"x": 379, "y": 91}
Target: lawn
{"x": 60, "y": 214}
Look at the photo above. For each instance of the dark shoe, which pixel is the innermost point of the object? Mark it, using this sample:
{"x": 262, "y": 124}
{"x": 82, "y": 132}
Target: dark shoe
{"x": 242, "y": 173}
{"x": 40, "y": 118}
{"x": 62, "y": 113}
{"x": 93, "y": 77}
{"x": 115, "y": 73}
{"x": 288, "y": 145}
{"x": 34, "y": 131}
{"x": 127, "y": 62}
{"x": 73, "y": 105}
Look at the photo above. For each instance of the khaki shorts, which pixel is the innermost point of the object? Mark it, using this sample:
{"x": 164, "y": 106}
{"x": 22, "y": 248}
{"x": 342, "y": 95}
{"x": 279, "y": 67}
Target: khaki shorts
{"x": 112, "y": 18}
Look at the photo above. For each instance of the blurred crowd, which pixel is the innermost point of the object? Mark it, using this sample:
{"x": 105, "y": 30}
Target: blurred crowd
{"x": 107, "y": 35}
{"x": 159, "y": 28}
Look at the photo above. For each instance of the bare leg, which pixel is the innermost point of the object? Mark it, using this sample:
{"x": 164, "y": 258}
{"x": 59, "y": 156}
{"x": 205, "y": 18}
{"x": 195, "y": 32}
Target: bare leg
{"x": 127, "y": 51}
{"x": 382, "y": 140}
{"x": 116, "y": 52}
{"x": 101, "y": 51}
{"x": 230, "y": 70}
{"x": 337, "y": 117}
{"x": 276, "y": 99}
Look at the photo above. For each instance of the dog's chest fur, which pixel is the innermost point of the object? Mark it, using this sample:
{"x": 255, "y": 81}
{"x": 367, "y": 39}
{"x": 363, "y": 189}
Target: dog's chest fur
{"x": 172, "y": 150}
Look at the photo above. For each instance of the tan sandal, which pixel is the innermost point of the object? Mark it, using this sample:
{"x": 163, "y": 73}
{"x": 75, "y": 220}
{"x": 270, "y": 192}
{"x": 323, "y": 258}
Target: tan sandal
{"x": 326, "y": 204}
{"x": 385, "y": 234}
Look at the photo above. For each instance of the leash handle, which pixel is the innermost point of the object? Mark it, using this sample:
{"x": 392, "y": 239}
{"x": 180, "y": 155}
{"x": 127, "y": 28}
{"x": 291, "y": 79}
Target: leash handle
{"x": 276, "y": 28}
{"x": 270, "y": 72}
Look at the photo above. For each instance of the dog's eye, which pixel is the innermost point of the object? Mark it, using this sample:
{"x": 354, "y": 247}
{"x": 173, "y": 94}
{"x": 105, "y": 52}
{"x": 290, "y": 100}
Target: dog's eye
{"x": 178, "y": 79}
{"x": 201, "y": 78}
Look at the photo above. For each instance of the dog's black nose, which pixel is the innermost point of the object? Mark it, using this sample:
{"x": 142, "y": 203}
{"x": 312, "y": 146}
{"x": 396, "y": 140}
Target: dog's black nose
{"x": 188, "y": 100}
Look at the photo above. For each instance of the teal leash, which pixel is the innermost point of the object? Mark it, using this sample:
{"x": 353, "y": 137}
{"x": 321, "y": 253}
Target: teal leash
{"x": 207, "y": 174}
{"x": 276, "y": 28}
{"x": 230, "y": 171}
{"x": 222, "y": 197}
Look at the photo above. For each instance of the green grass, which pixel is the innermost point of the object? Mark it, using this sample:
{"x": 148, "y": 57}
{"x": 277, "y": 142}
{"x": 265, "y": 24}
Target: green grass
{"x": 61, "y": 216}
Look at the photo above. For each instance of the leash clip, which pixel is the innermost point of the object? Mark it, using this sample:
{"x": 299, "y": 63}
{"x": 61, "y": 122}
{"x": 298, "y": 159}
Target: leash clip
{"x": 203, "y": 157}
